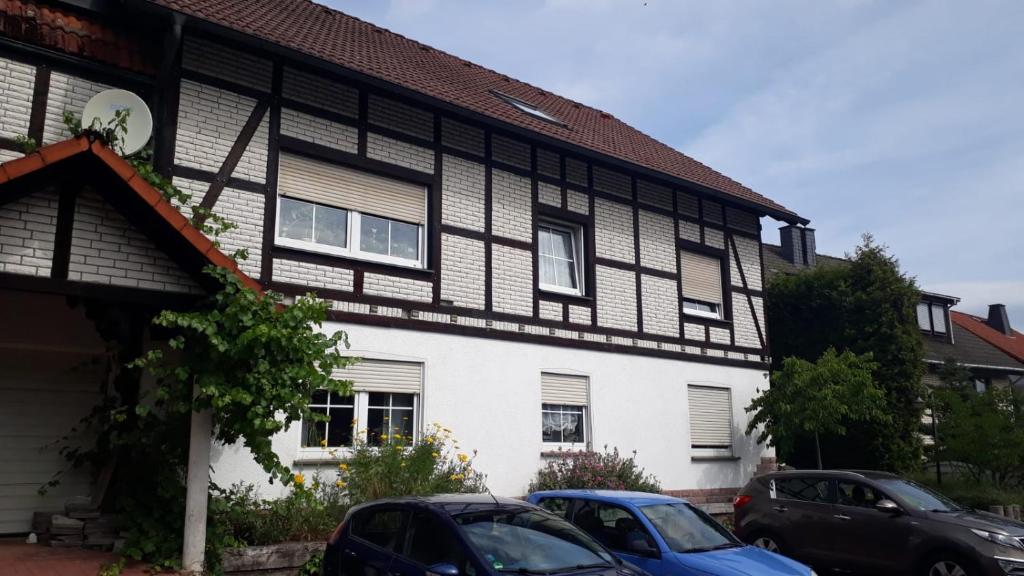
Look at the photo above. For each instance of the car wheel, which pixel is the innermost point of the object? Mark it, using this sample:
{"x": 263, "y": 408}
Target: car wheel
{"x": 766, "y": 541}
{"x": 947, "y": 565}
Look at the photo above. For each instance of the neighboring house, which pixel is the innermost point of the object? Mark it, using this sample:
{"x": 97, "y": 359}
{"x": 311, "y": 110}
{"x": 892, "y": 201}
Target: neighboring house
{"x": 994, "y": 329}
{"x": 529, "y": 271}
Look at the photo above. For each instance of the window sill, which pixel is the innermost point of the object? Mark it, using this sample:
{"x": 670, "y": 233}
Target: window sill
{"x": 554, "y": 296}
{"x": 713, "y": 458}
{"x": 326, "y": 258}
{"x": 706, "y": 320}
{"x": 313, "y": 457}
{"x": 562, "y": 451}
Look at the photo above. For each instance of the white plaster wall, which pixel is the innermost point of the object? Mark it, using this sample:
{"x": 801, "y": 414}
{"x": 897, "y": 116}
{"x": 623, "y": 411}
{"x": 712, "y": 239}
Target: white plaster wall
{"x": 637, "y": 403}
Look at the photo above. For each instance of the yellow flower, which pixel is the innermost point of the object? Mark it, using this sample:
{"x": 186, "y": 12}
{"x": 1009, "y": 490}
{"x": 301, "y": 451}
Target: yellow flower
{"x": 403, "y": 464}
{"x": 323, "y": 443}
{"x": 383, "y": 436}
{"x": 434, "y": 454}
{"x": 343, "y": 467}
{"x": 300, "y": 479}
{"x": 429, "y": 439}
{"x": 457, "y": 477}
{"x": 463, "y": 458}
{"x": 339, "y": 484}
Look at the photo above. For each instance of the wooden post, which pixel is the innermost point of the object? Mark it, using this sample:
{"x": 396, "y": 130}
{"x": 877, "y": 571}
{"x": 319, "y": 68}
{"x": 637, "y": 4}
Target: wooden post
{"x": 197, "y": 492}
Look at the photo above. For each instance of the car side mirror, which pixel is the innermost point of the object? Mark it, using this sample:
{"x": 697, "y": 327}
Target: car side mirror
{"x": 641, "y": 546}
{"x": 887, "y": 506}
{"x": 443, "y": 569}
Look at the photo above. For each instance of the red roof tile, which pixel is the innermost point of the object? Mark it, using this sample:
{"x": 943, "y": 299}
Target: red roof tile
{"x": 341, "y": 39}
{"x": 1012, "y": 344}
{"x": 14, "y": 169}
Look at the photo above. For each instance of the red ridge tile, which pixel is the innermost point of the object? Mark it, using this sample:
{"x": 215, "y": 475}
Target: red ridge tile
{"x": 24, "y": 165}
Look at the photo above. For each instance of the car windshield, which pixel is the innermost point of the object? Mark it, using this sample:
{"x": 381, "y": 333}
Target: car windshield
{"x": 918, "y": 497}
{"x": 531, "y": 542}
{"x": 686, "y": 528}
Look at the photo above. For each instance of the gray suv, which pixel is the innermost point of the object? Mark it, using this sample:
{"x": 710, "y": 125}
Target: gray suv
{"x": 876, "y": 523}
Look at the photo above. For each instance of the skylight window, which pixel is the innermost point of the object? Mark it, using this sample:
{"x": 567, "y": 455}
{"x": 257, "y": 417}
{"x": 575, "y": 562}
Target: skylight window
{"x": 529, "y": 109}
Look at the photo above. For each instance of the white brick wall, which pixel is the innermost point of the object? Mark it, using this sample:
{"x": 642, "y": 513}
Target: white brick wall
{"x": 8, "y": 155}
{"x": 654, "y": 194}
{"x": 743, "y": 322}
{"x": 27, "y": 228}
{"x": 462, "y": 271}
{"x": 319, "y": 130}
{"x": 401, "y": 153}
{"x": 107, "y": 249}
{"x": 512, "y": 280}
{"x": 462, "y": 193}
{"x": 579, "y": 315}
{"x": 463, "y": 137}
{"x": 576, "y": 171}
{"x": 688, "y": 204}
{"x": 17, "y": 81}
{"x": 750, "y": 258}
{"x": 510, "y": 206}
{"x": 714, "y": 237}
{"x": 657, "y": 241}
{"x": 209, "y": 122}
{"x": 221, "y": 61}
{"x": 313, "y": 275}
{"x": 689, "y": 231}
{"x": 719, "y": 335}
{"x": 577, "y": 201}
{"x": 246, "y": 210}
{"x": 548, "y": 163}
{"x": 612, "y": 182}
{"x": 401, "y": 117}
{"x": 316, "y": 90}
{"x": 551, "y": 310}
{"x": 616, "y": 298}
{"x": 693, "y": 331}
{"x": 510, "y": 151}
{"x": 395, "y": 287}
{"x": 660, "y": 305}
{"x": 613, "y": 229}
{"x": 66, "y": 93}
{"x": 549, "y": 194}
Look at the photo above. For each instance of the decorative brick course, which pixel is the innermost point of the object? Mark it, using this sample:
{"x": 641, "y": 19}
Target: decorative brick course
{"x": 209, "y": 121}
{"x": 512, "y": 280}
{"x": 319, "y": 131}
{"x": 613, "y": 229}
{"x": 27, "y": 229}
{"x": 221, "y": 61}
{"x": 616, "y": 298}
{"x": 400, "y": 153}
{"x": 462, "y": 271}
{"x": 510, "y": 206}
{"x": 318, "y": 91}
{"x": 400, "y": 117}
{"x": 657, "y": 241}
{"x": 462, "y": 193}
{"x": 660, "y": 305}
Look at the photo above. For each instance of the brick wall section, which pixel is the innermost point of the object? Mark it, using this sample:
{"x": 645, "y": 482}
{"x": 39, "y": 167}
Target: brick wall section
{"x": 244, "y": 209}
{"x": 66, "y": 93}
{"x": 107, "y": 249}
{"x": 510, "y": 206}
{"x": 654, "y": 194}
{"x": 319, "y": 131}
{"x": 227, "y": 63}
{"x": 742, "y": 220}
{"x": 548, "y": 163}
{"x": 576, "y": 171}
{"x": 579, "y": 315}
{"x": 510, "y": 151}
{"x": 743, "y": 322}
{"x": 17, "y": 81}
{"x": 577, "y": 201}
{"x": 394, "y": 287}
{"x": 693, "y": 331}
{"x": 689, "y": 231}
{"x": 27, "y": 229}
{"x": 209, "y": 122}
{"x": 462, "y": 271}
{"x": 616, "y": 298}
{"x": 313, "y": 275}
{"x": 8, "y": 155}
{"x": 550, "y": 310}
{"x": 612, "y": 182}
{"x": 549, "y": 194}
{"x": 657, "y": 241}
{"x": 687, "y": 204}
{"x": 750, "y": 259}
{"x": 400, "y": 153}
{"x": 698, "y": 496}
{"x": 462, "y": 137}
{"x": 462, "y": 193}
{"x": 714, "y": 237}
{"x": 400, "y": 117}
{"x": 318, "y": 91}
{"x": 720, "y": 335}
{"x": 613, "y": 229}
{"x": 660, "y": 305}
{"x": 512, "y": 280}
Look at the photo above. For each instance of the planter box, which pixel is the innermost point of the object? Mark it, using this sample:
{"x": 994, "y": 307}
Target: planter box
{"x": 283, "y": 559}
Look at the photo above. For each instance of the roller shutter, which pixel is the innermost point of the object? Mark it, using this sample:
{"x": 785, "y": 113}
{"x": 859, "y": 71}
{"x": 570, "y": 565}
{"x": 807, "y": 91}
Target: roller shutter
{"x": 702, "y": 277}
{"x": 710, "y": 417}
{"x": 384, "y": 376}
{"x": 564, "y": 389}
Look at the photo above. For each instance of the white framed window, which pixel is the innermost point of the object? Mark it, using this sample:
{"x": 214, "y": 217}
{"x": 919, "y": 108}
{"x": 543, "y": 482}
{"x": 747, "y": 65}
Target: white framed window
{"x": 565, "y": 407}
{"x": 931, "y": 317}
{"x": 560, "y": 257}
{"x": 710, "y": 420}
{"x": 331, "y": 209}
{"x": 528, "y": 108}
{"x": 702, "y": 284}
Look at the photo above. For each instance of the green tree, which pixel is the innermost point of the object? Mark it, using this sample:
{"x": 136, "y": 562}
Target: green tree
{"x": 983, "y": 432}
{"x": 815, "y": 399}
{"x": 865, "y": 306}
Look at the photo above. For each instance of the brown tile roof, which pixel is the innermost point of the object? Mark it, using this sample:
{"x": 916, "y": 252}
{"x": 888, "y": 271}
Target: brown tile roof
{"x": 60, "y": 152}
{"x": 79, "y": 33}
{"x": 1012, "y": 344}
{"x": 341, "y": 39}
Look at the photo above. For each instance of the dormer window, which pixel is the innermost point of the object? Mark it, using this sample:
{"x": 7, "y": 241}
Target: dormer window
{"x": 932, "y": 317}
{"x": 529, "y": 109}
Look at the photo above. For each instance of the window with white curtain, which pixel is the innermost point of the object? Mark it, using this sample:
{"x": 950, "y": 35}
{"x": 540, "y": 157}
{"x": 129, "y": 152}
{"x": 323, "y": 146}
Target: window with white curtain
{"x": 565, "y": 400}
{"x": 560, "y": 257}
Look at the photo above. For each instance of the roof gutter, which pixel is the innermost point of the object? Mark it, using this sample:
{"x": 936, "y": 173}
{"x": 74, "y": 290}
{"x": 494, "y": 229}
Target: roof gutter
{"x": 981, "y": 366}
{"x": 274, "y": 48}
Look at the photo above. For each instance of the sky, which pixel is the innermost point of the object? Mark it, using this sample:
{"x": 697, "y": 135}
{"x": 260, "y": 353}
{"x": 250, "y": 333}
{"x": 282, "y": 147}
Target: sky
{"x": 900, "y": 119}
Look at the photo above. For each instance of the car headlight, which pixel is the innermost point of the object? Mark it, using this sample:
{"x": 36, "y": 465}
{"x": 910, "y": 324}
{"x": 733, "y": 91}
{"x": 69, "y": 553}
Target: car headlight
{"x": 1001, "y": 539}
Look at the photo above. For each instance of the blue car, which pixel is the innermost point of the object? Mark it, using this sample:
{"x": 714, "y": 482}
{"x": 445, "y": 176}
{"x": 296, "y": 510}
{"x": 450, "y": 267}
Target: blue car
{"x": 663, "y": 535}
{"x": 463, "y": 535}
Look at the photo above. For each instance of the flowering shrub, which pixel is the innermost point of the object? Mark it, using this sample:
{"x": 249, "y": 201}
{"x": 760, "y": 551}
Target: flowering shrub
{"x": 595, "y": 470}
{"x": 309, "y": 512}
{"x": 403, "y": 466}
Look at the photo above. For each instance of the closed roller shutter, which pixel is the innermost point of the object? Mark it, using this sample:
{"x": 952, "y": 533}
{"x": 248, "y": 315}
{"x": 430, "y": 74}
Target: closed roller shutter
{"x": 702, "y": 277}
{"x": 710, "y": 417}
{"x": 384, "y": 376}
{"x": 564, "y": 389}
{"x": 334, "y": 185}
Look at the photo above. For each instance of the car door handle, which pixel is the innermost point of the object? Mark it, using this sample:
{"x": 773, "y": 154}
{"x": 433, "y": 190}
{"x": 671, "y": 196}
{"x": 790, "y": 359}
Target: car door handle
{"x": 779, "y": 508}
{"x": 841, "y": 517}
{"x": 350, "y": 553}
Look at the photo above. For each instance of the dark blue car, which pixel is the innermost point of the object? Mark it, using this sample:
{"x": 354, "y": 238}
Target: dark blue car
{"x": 464, "y": 534}
{"x": 663, "y": 535}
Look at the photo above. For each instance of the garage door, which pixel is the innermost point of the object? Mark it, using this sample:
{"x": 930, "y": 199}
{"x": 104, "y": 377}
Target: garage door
{"x": 43, "y": 394}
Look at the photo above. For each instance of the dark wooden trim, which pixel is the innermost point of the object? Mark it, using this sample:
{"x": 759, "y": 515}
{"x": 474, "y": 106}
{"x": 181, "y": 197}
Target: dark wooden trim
{"x": 750, "y": 299}
{"x": 9, "y": 144}
{"x": 513, "y": 243}
{"x": 764, "y": 294}
{"x": 638, "y": 281}
{"x": 270, "y": 190}
{"x": 168, "y": 96}
{"x": 400, "y": 136}
{"x": 105, "y": 292}
{"x": 200, "y": 175}
{"x": 87, "y": 69}
{"x": 548, "y": 211}
{"x": 66, "y": 199}
{"x": 358, "y": 277}
{"x": 488, "y": 247}
{"x": 592, "y": 239}
{"x": 234, "y": 155}
{"x": 435, "y": 216}
{"x": 573, "y": 299}
{"x": 223, "y": 84}
{"x": 534, "y": 245}
{"x": 285, "y": 253}
{"x": 462, "y": 154}
{"x": 362, "y": 123}
{"x": 325, "y": 153}
{"x": 683, "y": 244}
{"x": 319, "y": 113}
{"x": 40, "y": 94}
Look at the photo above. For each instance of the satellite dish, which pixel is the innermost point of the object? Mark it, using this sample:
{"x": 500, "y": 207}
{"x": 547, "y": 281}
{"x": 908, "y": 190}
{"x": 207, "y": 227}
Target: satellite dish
{"x": 140, "y": 121}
